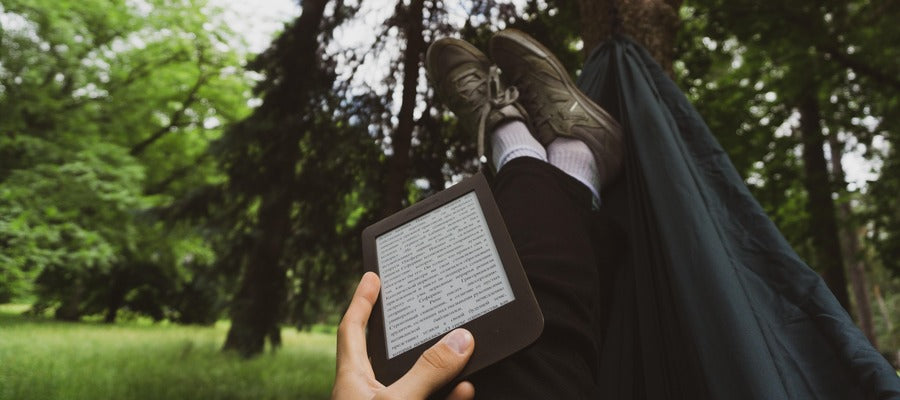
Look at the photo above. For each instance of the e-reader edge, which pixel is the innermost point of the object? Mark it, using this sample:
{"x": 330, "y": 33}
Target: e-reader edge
{"x": 498, "y": 333}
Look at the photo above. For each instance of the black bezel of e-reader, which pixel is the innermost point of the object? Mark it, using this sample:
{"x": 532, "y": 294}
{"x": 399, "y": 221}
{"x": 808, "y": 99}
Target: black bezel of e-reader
{"x": 498, "y": 333}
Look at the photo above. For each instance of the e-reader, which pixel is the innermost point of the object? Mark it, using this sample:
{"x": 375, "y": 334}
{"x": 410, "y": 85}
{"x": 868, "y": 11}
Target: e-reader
{"x": 446, "y": 262}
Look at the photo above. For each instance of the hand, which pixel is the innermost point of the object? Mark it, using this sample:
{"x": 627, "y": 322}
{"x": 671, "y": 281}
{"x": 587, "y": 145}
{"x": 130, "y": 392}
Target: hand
{"x": 434, "y": 369}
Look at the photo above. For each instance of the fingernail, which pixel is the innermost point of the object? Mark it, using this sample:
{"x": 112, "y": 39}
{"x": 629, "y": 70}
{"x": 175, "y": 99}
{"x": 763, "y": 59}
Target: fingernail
{"x": 458, "y": 340}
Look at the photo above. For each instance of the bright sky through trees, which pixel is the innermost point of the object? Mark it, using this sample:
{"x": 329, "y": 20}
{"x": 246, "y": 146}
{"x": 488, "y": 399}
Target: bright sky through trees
{"x": 260, "y": 20}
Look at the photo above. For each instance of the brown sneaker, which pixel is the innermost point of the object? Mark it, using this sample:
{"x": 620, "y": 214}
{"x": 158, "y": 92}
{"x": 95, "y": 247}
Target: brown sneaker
{"x": 469, "y": 84}
{"x": 554, "y": 103}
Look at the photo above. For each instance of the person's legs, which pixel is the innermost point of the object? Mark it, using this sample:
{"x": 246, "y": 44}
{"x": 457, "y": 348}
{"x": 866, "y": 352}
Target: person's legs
{"x": 554, "y": 104}
{"x": 547, "y": 208}
{"x": 548, "y": 214}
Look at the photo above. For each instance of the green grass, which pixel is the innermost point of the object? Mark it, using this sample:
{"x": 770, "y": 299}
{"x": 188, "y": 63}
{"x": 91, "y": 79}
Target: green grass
{"x": 45, "y": 359}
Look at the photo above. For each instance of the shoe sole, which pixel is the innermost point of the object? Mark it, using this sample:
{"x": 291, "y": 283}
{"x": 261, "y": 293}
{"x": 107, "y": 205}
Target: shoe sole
{"x": 523, "y": 40}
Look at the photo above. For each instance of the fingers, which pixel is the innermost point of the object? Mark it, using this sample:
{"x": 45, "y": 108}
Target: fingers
{"x": 352, "y": 329}
{"x": 462, "y": 391}
{"x": 437, "y": 366}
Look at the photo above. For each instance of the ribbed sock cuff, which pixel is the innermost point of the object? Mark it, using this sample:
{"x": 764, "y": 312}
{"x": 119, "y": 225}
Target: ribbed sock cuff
{"x": 512, "y": 140}
{"x": 574, "y": 157}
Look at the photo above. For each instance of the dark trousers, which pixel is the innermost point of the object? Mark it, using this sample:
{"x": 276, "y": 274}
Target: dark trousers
{"x": 564, "y": 248}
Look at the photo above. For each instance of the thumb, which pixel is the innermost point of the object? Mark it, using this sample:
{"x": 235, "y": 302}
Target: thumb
{"x": 436, "y": 367}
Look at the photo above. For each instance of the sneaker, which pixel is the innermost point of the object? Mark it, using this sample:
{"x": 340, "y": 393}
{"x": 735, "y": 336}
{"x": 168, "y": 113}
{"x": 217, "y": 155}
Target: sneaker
{"x": 554, "y": 103}
{"x": 469, "y": 84}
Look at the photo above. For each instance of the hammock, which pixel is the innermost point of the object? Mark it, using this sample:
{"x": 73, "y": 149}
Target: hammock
{"x": 713, "y": 303}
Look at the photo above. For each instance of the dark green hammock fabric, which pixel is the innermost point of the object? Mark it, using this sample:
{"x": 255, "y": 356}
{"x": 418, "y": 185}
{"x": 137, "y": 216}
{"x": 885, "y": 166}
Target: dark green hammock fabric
{"x": 714, "y": 303}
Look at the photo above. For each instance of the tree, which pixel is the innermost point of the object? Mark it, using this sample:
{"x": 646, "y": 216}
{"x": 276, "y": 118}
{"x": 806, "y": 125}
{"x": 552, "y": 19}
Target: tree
{"x": 299, "y": 175}
{"x": 654, "y": 24}
{"x": 398, "y": 171}
{"x": 823, "y": 223}
{"x": 107, "y": 110}
{"x": 275, "y": 132}
{"x": 825, "y": 60}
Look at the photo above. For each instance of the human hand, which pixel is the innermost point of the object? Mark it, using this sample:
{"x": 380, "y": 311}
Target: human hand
{"x": 434, "y": 369}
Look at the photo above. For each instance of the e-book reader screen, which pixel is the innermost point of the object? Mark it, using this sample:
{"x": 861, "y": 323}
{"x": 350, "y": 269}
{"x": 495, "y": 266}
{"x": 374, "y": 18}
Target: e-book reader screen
{"x": 438, "y": 271}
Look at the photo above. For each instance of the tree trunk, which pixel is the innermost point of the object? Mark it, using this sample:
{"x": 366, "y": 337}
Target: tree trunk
{"x": 70, "y": 309}
{"x": 652, "y": 23}
{"x": 398, "y": 165}
{"x": 257, "y": 308}
{"x": 886, "y": 317}
{"x": 115, "y": 298}
{"x": 850, "y": 246}
{"x": 302, "y": 299}
{"x": 820, "y": 205}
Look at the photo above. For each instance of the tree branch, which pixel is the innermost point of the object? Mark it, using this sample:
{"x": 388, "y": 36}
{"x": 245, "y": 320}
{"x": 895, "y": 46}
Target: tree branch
{"x": 145, "y": 69}
{"x": 174, "y": 119}
{"x": 859, "y": 67}
{"x": 138, "y": 72}
{"x": 826, "y": 46}
{"x": 179, "y": 173}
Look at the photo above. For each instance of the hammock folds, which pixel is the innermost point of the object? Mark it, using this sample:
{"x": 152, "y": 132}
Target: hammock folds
{"x": 712, "y": 303}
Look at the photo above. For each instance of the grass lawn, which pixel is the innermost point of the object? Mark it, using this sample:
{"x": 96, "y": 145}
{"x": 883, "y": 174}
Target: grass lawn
{"x": 45, "y": 359}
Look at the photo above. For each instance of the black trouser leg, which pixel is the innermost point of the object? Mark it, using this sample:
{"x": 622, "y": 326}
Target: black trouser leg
{"x": 548, "y": 214}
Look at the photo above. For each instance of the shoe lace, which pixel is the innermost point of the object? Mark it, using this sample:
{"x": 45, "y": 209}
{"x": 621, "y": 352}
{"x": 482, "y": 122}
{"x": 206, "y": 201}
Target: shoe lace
{"x": 497, "y": 99}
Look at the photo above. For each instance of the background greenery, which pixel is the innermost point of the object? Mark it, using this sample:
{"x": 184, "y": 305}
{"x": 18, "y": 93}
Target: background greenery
{"x": 155, "y": 178}
{"x": 140, "y": 360}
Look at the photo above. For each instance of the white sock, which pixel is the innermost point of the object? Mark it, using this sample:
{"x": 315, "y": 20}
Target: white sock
{"x": 575, "y": 158}
{"x": 512, "y": 140}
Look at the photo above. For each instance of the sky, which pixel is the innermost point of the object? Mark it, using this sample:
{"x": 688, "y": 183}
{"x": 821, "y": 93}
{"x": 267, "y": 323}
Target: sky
{"x": 258, "y": 20}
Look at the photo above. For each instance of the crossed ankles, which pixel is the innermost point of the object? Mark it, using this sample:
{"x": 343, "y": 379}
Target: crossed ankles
{"x": 537, "y": 94}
